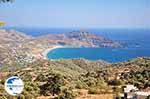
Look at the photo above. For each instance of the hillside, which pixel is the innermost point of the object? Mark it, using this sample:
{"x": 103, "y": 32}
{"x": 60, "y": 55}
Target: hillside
{"x": 17, "y": 48}
{"x": 80, "y": 39}
{"x": 9, "y": 42}
{"x": 95, "y": 77}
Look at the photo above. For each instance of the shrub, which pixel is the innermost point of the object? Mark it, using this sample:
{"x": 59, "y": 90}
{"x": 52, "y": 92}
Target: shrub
{"x": 41, "y": 78}
{"x": 94, "y": 90}
{"x": 66, "y": 93}
{"x": 81, "y": 85}
{"x": 29, "y": 88}
{"x": 29, "y": 96}
{"x": 21, "y": 96}
{"x": 53, "y": 85}
{"x": 115, "y": 82}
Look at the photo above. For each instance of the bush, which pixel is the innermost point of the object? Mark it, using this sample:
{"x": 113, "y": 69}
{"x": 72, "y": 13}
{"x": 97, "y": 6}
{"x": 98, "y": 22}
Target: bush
{"x": 29, "y": 96}
{"x": 115, "y": 82}
{"x": 27, "y": 77}
{"x": 66, "y": 93}
{"x": 21, "y": 96}
{"x": 53, "y": 85}
{"x": 41, "y": 78}
{"x": 117, "y": 90}
{"x": 94, "y": 90}
{"x": 90, "y": 81}
{"x": 29, "y": 88}
{"x": 81, "y": 85}
{"x": 102, "y": 84}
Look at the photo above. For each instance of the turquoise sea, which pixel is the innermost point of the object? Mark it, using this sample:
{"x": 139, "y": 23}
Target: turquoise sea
{"x": 107, "y": 54}
{"x": 136, "y": 44}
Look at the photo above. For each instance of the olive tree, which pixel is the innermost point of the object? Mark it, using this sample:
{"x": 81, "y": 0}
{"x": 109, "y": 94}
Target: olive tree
{"x": 53, "y": 85}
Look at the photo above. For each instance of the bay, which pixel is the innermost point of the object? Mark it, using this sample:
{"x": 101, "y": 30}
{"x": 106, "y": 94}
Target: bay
{"x": 106, "y": 54}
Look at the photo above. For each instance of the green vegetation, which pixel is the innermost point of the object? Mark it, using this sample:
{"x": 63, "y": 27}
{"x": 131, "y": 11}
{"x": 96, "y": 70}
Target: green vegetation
{"x": 52, "y": 85}
{"x": 1, "y": 24}
{"x": 148, "y": 97}
{"x": 60, "y": 78}
{"x": 66, "y": 93}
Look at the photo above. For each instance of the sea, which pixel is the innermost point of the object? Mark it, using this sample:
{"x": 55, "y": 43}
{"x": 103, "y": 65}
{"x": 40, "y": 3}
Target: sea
{"x": 136, "y": 44}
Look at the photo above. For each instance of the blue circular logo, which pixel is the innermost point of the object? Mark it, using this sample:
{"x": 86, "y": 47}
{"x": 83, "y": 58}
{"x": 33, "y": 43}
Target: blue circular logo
{"x": 14, "y": 85}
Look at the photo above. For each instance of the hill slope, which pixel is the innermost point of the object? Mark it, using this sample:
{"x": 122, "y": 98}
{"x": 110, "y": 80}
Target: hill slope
{"x": 80, "y": 39}
{"x": 95, "y": 77}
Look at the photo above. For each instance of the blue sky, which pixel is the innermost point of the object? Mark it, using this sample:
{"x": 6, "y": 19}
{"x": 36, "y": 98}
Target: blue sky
{"x": 77, "y": 13}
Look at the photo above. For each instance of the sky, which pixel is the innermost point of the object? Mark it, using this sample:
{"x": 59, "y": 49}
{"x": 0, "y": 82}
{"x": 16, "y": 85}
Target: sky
{"x": 77, "y": 13}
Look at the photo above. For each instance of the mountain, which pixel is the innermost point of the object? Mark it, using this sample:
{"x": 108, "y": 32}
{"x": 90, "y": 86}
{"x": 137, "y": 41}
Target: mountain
{"x": 17, "y": 47}
{"x": 80, "y": 39}
{"x": 12, "y": 38}
{"x": 9, "y": 42}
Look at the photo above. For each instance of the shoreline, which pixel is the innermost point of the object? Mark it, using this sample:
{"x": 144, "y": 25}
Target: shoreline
{"x": 45, "y": 52}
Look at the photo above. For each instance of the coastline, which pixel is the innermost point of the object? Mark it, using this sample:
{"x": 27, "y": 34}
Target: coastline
{"x": 45, "y": 52}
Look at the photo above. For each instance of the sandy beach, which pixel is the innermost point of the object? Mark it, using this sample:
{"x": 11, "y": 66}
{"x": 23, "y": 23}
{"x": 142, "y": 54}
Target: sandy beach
{"x": 44, "y": 54}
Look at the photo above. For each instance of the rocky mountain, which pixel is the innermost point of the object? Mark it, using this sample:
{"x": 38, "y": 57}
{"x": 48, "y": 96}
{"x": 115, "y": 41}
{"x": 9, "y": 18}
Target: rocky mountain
{"x": 80, "y": 39}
